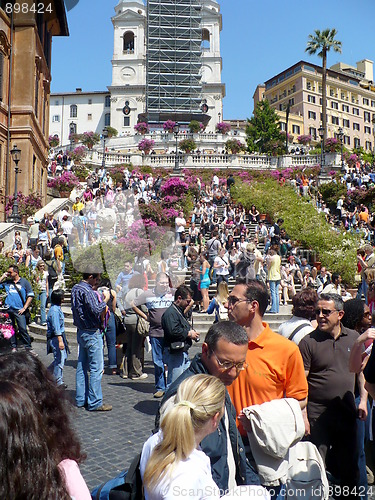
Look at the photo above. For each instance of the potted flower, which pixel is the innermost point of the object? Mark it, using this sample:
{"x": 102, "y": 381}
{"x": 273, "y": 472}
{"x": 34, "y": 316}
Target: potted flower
{"x": 187, "y": 145}
{"x": 168, "y": 126}
{"x": 27, "y": 205}
{"x": 146, "y": 145}
{"x": 141, "y": 128}
{"x": 195, "y": 126}
{"x": 304, "y": 139}
{"x": 89, "y": 139}
{"x": 234, "y": 146}
{"x": 53, "y": 141}
{"x": 64, "y": 184}
{"x": 223, "y": 128}
{"x": 81, "y": 171}
{"x": 77, "y": 154}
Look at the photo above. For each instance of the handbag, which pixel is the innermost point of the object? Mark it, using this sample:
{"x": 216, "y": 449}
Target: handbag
{"x": 120, "y": 327}
{"x": 143, "y": 326}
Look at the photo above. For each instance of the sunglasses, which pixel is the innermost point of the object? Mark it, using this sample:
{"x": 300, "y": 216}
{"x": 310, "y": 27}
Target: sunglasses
{"x": 234, "y": 300}
{"x": 325, "y": 312}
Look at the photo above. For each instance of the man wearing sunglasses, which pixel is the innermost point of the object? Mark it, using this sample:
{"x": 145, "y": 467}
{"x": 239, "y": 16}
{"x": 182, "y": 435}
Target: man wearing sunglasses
{"x": 223, "y": 356}
{"x": 331, "y": 408}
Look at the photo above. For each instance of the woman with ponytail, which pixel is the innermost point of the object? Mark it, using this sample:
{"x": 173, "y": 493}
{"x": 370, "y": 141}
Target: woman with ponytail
{"x": 172, "y": 463}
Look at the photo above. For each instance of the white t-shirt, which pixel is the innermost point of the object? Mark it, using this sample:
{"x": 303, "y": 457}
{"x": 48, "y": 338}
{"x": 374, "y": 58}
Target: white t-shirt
{"x": 178, "y": 221}
{"x": 288, "y": 327}
{"x": 191, "y": 478}
{"x": 222, "y": 262}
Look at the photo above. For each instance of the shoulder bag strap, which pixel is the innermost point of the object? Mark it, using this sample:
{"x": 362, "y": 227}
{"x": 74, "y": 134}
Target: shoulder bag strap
{"x": 19, "y": 293}
{"x": 296, "y": 330}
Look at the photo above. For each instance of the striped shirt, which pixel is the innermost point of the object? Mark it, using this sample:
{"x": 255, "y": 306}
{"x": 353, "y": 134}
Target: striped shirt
{"x": 86, "y": 307}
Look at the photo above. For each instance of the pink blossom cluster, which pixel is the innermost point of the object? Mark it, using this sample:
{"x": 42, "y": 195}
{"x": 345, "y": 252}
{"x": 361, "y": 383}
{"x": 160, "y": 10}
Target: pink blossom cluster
{"x": 7, "y": 331}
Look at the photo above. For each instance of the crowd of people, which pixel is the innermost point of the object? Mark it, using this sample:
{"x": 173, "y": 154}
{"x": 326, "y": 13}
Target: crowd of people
{"x": 216, "y": 426}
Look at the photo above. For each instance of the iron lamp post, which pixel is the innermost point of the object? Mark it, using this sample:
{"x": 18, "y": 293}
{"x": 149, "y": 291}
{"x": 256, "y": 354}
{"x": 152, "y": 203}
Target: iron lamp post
{"x": 341, "y": 137}
{"x": 321, "y": 135}
{"x": 105, "y": 136}
{"x": 176, "y": 130}
{"x": 16, "y": 156}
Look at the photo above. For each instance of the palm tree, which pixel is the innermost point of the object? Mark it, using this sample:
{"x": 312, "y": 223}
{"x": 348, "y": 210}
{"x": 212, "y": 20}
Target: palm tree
{"x": 322, "y": 42}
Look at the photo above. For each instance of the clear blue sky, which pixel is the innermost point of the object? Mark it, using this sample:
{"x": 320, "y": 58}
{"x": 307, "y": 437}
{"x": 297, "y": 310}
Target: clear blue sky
{"x": 258, "y": 40}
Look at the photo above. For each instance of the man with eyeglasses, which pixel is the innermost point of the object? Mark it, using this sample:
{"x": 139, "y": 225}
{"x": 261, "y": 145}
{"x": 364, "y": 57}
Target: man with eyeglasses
{"x": 223, "y": 356}
{"x": 331, "y": 407}
{"x": 157, "y": 302}
{"x": 275, "y": 367}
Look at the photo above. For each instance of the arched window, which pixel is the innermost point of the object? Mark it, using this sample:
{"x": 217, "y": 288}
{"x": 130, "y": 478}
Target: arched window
{"x": 107, "y": 102}
{"x": 205, "y": 39}
{"x": 73, "y": 111}
{"x": 128, "y": 42}
{"x": 107, "y": 120}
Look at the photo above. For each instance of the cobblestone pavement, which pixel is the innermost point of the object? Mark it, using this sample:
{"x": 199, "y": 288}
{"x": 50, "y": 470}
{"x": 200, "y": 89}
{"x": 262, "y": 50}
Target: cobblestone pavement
{"x": 112, "y": 439}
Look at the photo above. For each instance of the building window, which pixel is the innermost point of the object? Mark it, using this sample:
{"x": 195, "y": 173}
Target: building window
{"x": 296, "y": 129}
{"x": 73, "y": 111}
{"x": 312, "y": 132}
{"x": 282, "y": 126}
{"x": 365, "y": 101}
{"x": 89, "y": 116}
{"x": 335, "y": 120}
{"x": 346, "y": 123}
{"x": 373, "y": 104}
{"x": 56, "y": 119}
{"x": 312, "y": 115}
{"x": 308, "y": 85}
{"x": 320, "y": 101}
{"x": 128, "y": 45}
{"x": 345, "y": 108}
{"x": 90, "y": 101}
{"x": 291, "y": 101}
{"x": 107, "y": 120}
{"x": 367, "y": 116}
{"x": 311, "y": 98}
{"x": 356, "y": 111}
{"x": 368, "y": 146}
{"x": 334, "y": 105}
{"x": 346, "y": 140}
{"x": 205, "y": 39}
{"x": 126, "y": 121}
{"x": 357, "y": 142}
{"x": 356, "y": 126}
{"x": 107, "y": 101}
{"x": 367, "y": 130}
{"x": 57, "y": 103}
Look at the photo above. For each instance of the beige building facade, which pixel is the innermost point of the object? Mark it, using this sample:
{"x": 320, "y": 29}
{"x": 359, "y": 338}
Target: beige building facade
{"x": 350, "y": 101}
{"x": 25, "y": 67}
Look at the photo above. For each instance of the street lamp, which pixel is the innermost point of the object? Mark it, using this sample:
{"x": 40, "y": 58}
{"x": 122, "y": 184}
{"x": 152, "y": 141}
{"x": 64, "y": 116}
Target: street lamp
{"x": 341, "y": 137}
{"x": 176, "y": 130}
{"x": 16, "y": 156}
{"x": 321, "y": 135}
{"x": 105, "y": 136}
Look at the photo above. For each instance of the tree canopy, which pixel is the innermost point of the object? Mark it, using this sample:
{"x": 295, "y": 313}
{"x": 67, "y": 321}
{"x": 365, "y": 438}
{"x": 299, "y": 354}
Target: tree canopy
{"x": 263, "y": 130}
{"x": 320, "y": 43}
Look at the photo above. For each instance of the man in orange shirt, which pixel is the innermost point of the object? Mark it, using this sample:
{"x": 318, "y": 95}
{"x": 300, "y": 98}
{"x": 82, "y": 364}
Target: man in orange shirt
{"x": 275, "y": 367}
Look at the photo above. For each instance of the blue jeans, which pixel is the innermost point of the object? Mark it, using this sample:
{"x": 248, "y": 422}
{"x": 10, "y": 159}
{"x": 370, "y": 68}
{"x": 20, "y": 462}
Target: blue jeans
{"x": 361, "y": 433}
{"x": 177, "y": 363}
{"x": 157, "y": 345}
{"x": 60, "y": 356}
{"x": 43, "y": 301}
{"x": 363, "y": 289}
{"x": 20, "y": 320}
{"x": 110, "y": 338}
{"x": 90, "y": 360}
{"x": 274, "y": 288}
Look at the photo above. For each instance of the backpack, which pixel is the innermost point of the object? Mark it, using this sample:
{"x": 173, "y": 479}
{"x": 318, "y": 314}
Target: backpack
{"x": 52, "y": 274}
{"x": 77, "y": 222}
{"x": 126, "y": 486}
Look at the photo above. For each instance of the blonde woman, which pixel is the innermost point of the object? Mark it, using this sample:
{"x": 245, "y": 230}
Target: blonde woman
{"x": 172, "y": 460}
{"x": 217, "y": 303}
